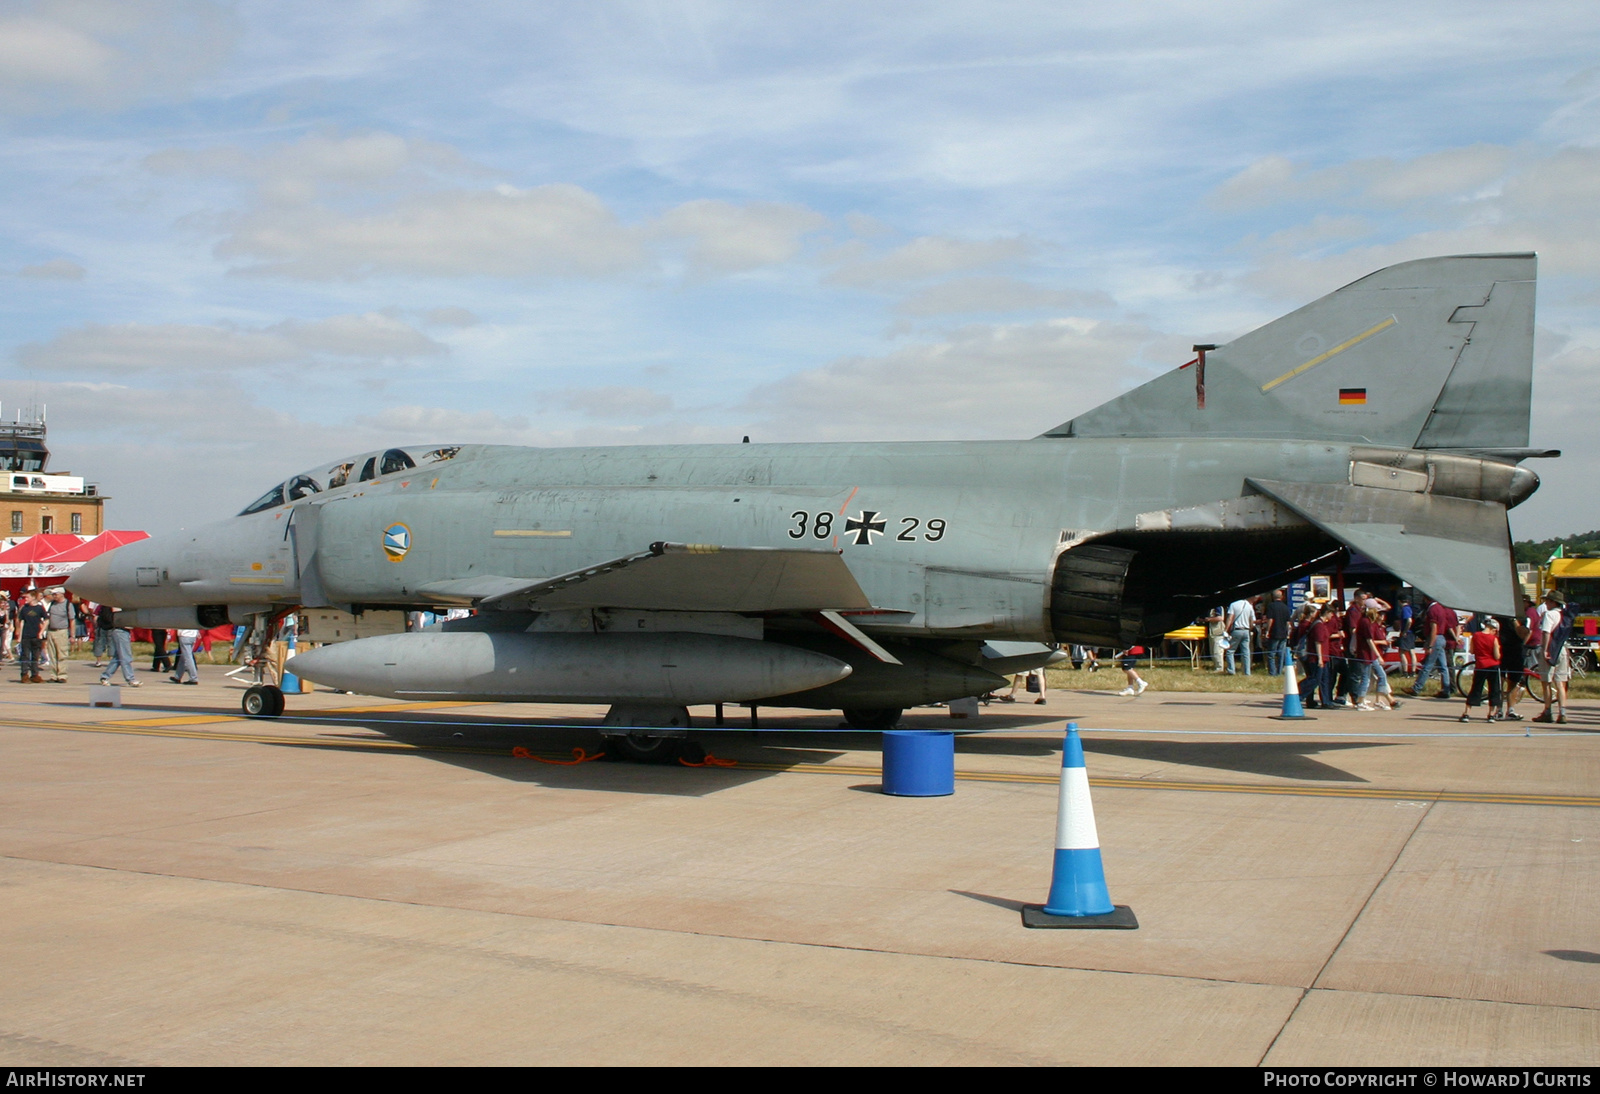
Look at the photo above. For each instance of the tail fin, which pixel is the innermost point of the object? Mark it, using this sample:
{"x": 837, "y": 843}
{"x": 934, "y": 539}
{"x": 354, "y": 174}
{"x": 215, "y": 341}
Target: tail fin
{"x": 1436, "y": 353}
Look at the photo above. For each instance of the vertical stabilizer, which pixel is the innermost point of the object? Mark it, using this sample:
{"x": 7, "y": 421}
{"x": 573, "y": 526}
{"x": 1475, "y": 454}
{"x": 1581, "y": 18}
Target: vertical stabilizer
{"x": 1436, "y": 353}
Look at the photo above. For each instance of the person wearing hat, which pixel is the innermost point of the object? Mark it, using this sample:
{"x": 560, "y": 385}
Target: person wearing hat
{"x": 1555, "y": 623}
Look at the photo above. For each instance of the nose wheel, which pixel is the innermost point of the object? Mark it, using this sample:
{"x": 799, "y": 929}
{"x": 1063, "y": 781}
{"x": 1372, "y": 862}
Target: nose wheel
{"x": 262, "y": 701}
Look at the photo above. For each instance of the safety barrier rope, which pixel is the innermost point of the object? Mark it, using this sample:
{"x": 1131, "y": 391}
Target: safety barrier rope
{"x": 709, "y": 761}
{"x": 579, "y": 756}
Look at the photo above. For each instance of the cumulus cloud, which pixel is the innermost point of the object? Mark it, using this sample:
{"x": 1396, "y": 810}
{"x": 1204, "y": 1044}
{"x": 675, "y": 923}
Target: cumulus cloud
{"x": 450, "y": 316}
{"x": 300, "y": 171}
{"x": 553, "y": 230}
{"x": 186, "y": 348}
{"x": 1379, "y": 181}
{"x": 997, "y": 294}
{"x": 929, "y": 256}
{"x": 1475, "y": 199}
{"x": 355, "y": 205}
{"x": 617, "y": 402}
{"x": 57, "y": 269}
{"x": 108, "y": 54}
{"x": 728, "y": 238}
{"x": 984, "y": 380}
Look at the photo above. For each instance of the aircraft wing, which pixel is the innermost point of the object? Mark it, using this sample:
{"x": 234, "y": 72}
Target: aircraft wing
{"x": 677, "y": 577}
{"x": 1456, "y": 550}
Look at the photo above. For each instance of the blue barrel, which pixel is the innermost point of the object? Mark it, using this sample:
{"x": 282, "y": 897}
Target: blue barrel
{"x": 919, "y": 763}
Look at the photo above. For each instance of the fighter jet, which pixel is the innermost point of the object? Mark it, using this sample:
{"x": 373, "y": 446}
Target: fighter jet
{"x": 1389, "y": 417}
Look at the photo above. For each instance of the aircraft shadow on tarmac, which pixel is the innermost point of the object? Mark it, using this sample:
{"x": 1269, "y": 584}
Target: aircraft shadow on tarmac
{"x": 1282, "y": 759}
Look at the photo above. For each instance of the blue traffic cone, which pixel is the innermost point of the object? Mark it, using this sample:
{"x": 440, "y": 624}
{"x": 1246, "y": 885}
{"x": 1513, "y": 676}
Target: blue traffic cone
{"x": 1292, "y": 707}
{"x": 1078, "y": 894}
{"x": 290, "y": 684}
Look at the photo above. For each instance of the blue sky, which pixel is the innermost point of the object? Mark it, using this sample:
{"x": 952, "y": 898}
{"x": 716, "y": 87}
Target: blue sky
{"x": 241, "y": 239}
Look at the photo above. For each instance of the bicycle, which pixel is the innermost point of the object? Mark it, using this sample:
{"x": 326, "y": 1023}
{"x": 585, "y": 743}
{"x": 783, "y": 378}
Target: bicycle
{"x": 1579, "y": 661}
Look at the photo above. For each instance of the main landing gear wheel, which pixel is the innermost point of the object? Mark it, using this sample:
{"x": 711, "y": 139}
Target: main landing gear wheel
{"x": 876, "y": 718}
{"x": 641, "y": 749}
{"x": 263, "y": 701}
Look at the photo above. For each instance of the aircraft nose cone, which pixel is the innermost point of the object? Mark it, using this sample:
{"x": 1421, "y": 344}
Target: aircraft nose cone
{"x": 92, "y": 580}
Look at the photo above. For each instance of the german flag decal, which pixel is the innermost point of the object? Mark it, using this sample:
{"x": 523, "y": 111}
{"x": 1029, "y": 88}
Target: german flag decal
{"x": 1352, "y": 396}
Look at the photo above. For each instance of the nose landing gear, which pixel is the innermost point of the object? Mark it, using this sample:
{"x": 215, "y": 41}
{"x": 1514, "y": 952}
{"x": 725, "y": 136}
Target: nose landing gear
{"x": 262, "y": 701}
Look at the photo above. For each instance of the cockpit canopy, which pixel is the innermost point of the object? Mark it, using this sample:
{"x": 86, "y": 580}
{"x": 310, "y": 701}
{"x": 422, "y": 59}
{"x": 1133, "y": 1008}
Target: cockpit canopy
{"x": 366, "y": 467}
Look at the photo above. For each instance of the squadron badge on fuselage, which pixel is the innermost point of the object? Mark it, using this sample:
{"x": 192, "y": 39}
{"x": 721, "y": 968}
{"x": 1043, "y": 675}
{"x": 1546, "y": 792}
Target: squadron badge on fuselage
{"x": 396, "y": 541}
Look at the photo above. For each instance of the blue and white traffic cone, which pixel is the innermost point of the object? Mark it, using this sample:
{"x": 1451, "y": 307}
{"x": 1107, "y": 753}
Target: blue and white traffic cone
{"x": 1078, "y": 894}
{"x": 1292, "y": 707}
{"x": 290, "y": 684}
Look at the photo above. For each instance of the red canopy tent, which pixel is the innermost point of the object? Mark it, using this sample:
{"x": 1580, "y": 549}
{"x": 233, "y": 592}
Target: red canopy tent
{"x": 83, "y": 551}
{"x": 50, "y": 559}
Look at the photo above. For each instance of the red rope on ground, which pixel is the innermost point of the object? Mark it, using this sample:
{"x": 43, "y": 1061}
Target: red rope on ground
{"x": 579, "y": 756}
{"x": 710, "y": 761}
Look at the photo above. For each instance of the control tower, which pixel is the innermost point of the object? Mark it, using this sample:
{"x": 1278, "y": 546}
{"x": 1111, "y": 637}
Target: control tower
{"x": 34, "y": 499}
{"x": 22, "y": 446}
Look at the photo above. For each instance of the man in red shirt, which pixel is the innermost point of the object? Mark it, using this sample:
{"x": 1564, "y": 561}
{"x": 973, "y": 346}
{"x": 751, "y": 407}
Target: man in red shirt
{"x": 1318, "y": 688}
{"x": 1441, "y": 625}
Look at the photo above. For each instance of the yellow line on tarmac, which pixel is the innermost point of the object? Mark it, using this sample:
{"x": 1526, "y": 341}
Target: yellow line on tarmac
{"x": 1367, "y": 792}
{"x": 175, "y": 720}
{"x": 133, "y": 729}
{"x": 171, "y": 728}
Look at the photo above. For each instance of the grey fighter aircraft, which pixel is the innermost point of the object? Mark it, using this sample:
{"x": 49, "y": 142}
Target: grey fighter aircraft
{"x": 1389, "y": 417}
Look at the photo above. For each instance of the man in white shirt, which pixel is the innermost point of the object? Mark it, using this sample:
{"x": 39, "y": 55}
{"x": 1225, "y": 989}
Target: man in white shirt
{"x": 1241, "y": 623}
{"x": 1554, "y": 668}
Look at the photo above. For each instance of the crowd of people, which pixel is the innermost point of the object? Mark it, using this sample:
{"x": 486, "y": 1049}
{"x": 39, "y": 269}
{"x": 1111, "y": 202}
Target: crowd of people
{"x": 1346, "y": 651}
{"x": 1342, "y": 649}
{"x": 40, "y": 629}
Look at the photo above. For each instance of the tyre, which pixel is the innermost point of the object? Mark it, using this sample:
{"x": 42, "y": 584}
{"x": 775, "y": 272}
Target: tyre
{"x": 879, "y": 718}
{"x": 641, "y": 749}
{"x": 262, "y": 701}
{"x": 1463, "y": 683}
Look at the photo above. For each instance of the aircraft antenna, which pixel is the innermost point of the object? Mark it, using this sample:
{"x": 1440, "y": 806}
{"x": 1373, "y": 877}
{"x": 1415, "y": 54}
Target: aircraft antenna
{"x": 1200, "y": 376}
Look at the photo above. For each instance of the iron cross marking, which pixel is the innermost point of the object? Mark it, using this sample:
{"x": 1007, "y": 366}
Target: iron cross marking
{"x": 865, "y": 527}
